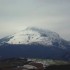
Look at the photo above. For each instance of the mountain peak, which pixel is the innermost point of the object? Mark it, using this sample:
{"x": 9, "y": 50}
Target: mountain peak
{"x": 34, "y": 29}
{"x": 40, "y": 30}
{"x": 35, "y": 41}
{"x": 32, "y": 35}
{"x": 35, "y": 35}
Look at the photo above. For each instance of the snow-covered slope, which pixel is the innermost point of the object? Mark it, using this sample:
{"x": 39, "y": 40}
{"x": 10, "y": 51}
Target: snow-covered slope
{"x": 35, "y": 35}
{"x": 35, "y": 43}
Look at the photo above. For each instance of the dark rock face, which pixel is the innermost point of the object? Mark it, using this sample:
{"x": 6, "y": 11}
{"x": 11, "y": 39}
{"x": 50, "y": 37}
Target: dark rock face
{"x": 38, "y": 65}
{"x": 19, "y": 64}
{"x": 58, "y": 67}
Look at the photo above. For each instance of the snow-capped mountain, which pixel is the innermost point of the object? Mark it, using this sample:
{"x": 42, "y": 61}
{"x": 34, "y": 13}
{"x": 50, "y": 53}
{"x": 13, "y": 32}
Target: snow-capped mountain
{"x": 35, "y": 43}
{"x": 34, "y": 35}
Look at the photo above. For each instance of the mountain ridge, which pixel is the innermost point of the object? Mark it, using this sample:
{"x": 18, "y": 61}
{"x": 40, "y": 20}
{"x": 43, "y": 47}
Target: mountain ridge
{"x": 34, "y": 43}
{"x": 30, "y": 35}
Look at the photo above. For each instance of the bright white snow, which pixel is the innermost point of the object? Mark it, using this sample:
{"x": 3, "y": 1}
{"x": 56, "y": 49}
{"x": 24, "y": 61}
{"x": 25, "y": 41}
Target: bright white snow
{"x": 31, "y": 35}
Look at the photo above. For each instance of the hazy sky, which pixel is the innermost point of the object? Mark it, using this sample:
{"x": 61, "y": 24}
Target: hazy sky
{"x": 54, "y": 15}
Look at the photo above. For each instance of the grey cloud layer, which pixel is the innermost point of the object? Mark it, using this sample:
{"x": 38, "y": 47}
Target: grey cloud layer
{"x": 50, "y": 14}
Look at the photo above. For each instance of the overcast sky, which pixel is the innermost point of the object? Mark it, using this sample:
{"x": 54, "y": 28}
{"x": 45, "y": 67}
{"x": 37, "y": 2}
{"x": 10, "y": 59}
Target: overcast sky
{"x": 54, "y": 15}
